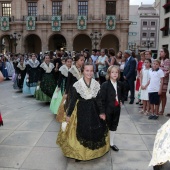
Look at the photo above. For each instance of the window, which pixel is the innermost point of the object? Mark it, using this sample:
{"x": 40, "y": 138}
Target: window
{"x": 110, "y": 7}
{"x": 32, "y": 8}
{"x": 144, "y": 34}
{"x": 132, "y": 33}
{"x": 152, "y": 34}
{"x": 133, "y": 23}
{"x": 165, "y": 46}
{"x": 6, "y": 9}
{"x": 83, "y": 8}
{"x": 56, "y": 8}
{"x": 144, "y": 22}
{"x": 153, "y": 23}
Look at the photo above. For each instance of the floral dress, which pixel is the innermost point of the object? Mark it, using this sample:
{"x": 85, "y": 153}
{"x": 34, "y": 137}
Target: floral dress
{"x": 165, "y": 66}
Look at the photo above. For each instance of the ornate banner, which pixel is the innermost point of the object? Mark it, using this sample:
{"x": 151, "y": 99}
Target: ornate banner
{"x": 4, "y": 23}
{"x": 56, "y": 23}
{"x": 82, "y": 22}
{"x": 110, "y": 22}
{"x": 30, "y": 23}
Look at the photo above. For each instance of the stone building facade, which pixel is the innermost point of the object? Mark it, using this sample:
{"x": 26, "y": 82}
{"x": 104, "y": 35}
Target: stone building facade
{"x": 43, "y": 38}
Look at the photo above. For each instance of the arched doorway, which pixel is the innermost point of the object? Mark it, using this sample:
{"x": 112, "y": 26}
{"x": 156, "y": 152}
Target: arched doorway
{"x": 110, "y": 41}
{"x": 56, "y": 42}
{"x": 81, "y": 42}
{"x": 5, "y": 44}
{"x": 33, "y": 44}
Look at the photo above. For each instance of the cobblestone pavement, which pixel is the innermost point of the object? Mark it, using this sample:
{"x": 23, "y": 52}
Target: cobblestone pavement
{"x": 28, "y": 137}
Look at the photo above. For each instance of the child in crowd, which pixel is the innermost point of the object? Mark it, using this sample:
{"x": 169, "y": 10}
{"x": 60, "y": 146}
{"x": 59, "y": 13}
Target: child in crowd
{"x": 144, "y": 86}
{"x": 155, "y": 88}
{"x": 112, "y": 98}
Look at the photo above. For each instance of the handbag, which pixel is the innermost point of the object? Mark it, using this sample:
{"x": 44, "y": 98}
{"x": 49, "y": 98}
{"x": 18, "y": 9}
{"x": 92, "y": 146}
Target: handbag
{"x": 1, "y": 77}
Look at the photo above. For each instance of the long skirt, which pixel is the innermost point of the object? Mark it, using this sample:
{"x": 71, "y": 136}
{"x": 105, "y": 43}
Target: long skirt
{"x": 61, "y": 114}
{"x": 39, "y": 95}
{"x": 72, "y": 148}
{"x": 28, "y": 90}
{"x": 55, "y": 101}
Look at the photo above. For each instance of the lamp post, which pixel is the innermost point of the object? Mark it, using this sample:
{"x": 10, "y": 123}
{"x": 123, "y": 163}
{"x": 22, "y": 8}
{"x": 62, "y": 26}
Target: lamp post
{"x": 16, "y": 37}
{"x": 95, "y": 37}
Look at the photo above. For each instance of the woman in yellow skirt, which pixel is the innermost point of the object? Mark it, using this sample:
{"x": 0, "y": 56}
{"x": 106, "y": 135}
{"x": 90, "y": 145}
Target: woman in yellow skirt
{"x": 86, "y": 133}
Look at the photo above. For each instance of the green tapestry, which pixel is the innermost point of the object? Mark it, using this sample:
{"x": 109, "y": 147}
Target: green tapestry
{"x": 82, "y": 22}
{"x": 56, "y": 23}
{"x": 110, "y": 22}
{"x": 4, "y": 23}
{"x": 30, "y": 23}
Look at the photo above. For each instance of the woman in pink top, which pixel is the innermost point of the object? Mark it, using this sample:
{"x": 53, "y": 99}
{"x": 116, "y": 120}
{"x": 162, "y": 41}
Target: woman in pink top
{"x": 165, "y": 66}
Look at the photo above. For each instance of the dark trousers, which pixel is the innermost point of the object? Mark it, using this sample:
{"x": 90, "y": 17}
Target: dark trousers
{"x": 130, "y": 86}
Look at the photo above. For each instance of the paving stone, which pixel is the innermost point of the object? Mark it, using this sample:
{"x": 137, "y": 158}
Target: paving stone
{"x": 45, "y": 159}
{"x": 31, "y": 125}
{"x": 130, "y": 160}
{"x": 129, "y": 142}
{"x": 148, "y": 128}
{"x": 48, "y": 139}
{"x": 13, "y": 156}
{"x": 22, "y": 138}
{"x": 4, "y": 134}
{"x": 149, "y": 141}
{"x": 126, "y": 127}
{"x": 54, "y": 126}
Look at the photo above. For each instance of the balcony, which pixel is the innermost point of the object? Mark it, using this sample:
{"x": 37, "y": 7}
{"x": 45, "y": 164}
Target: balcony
{"x": 65, "y": 18}
{"x": 167, "y": 7}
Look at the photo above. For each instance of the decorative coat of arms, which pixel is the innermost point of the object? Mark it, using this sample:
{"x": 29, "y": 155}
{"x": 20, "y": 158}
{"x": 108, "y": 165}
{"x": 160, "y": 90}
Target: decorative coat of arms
{"x": 4, "y": 23}
{"x": 82, "y": 22}
{"x": 56, "y": 23}
{"x": 30, "y": 22}
{"x": 110, "y": 22}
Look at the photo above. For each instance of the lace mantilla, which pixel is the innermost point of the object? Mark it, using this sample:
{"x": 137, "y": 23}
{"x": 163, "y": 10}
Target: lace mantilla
{"x": 47, "y": 68}
{"x": 85, "y": 92}
{"x": 75, "y": 72}
{"x": 33, "y": 64}
{"x": 64, "y": 70}
{"x": 161, "y": 150}
{"x": 21, "y": 67}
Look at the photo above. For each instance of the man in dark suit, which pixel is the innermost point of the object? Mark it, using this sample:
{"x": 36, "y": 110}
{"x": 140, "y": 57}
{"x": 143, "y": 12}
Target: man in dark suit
{"x": 129, "y": 74}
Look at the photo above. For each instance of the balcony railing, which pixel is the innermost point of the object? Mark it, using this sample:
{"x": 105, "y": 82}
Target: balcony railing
{"x": 65, "y": 17}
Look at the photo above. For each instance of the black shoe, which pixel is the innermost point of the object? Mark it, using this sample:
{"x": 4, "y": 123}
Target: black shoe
{"x": 125, "y": 99}
{"x": 76, "y": 160}
{"x": 131, "y": 102}
{"x": 137, "y": 102}
{"x": 115, "y": 148}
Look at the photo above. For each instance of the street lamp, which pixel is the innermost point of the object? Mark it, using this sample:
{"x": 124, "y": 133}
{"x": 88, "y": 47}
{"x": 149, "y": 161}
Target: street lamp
{"x": 16, "y": 37}
{"x": 95, "y": 37}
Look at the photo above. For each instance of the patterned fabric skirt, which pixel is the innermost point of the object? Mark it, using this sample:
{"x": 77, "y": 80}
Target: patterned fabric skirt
{"x": 161, "y": 150}
{"x": 165, "y": 83}
{"x": 55, "y": 102}
{"x": 61, "y": 114}
{"x": 28, "y": 90}
{"x": 39, "y": 95}
{"x": 48, "y": 84}
{"x": 72, "y": 148}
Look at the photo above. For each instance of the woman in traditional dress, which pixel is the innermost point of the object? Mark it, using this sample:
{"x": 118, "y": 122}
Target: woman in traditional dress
{"x": 20, "y": 74}
{"x": 86, "y": 134}
{"x": 165, "y": 66}
{"x": 47, "y": 81}
{"x": 60, "y": 89}
{"x": 73, "y": 75}
{"x": 31, "y": 78}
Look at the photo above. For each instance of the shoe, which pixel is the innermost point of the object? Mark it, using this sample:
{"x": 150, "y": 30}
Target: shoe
{"x": 141, "y": 111}
{"x": 131, "y": 102}
{"x": 115, "y": 148}
{"x": 125, "y": 99}
{"x": 146, "y": 113}
{"x": 137, "y": 102}
{"x": 155, "y": 117}
{"x": 151, "y": 116}
{"x": 76, "y": 160}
